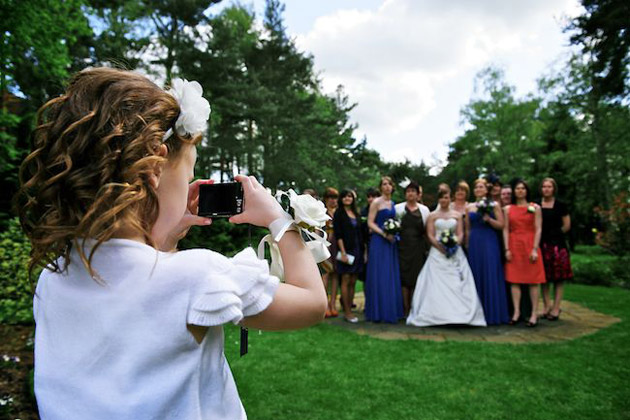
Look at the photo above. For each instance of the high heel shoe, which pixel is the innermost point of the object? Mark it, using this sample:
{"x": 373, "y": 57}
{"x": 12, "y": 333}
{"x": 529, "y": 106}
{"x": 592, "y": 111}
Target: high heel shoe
{"x": 514, "y": 321}
{"x": 531, "y": 324}
{"x": 554, "y": 317}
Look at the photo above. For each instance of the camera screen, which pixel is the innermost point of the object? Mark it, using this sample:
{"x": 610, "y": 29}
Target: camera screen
{"x": 220, "y": 199}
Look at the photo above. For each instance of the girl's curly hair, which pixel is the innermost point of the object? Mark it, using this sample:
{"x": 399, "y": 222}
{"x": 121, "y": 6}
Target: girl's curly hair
{"x": 94, "y": 150}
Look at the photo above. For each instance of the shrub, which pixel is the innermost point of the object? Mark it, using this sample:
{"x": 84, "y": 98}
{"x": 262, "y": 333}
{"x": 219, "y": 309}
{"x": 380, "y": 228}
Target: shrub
{"x": 591, "y": 266}
{"x": 616, "y": 236}
{"x": 16, "y": 297}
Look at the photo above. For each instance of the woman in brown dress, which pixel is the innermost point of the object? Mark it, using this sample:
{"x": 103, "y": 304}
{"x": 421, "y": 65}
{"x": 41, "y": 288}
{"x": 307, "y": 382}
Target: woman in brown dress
{"x": 330, "y": 275}
{"x": 413, "y": 246}
{"x": 460, "y": 203}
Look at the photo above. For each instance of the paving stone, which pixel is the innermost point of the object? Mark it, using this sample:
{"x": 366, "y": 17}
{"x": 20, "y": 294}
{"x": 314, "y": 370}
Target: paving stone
{"x": 427, "y": 337}
{"x": 515, "y": 339}
{"x": 391, "y": 335}
{"x": 575, "y": 321}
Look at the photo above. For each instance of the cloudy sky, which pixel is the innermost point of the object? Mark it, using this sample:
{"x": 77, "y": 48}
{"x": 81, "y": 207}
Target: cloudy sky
{"x": 410, "y": 64}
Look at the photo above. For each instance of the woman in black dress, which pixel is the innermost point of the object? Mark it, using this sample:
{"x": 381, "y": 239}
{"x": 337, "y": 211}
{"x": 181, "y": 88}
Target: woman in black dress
{"x": 349, "y": 261}
{"x": 556, "y": 259}
{"x": 413, "y": 246}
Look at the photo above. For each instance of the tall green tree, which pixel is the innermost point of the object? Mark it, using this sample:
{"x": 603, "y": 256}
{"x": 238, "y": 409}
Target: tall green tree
{"x": 120, "y": 37}
{"x": 40, "y": 46}
{"x": 603, "y": 32}
{"x": 502, "y": 133}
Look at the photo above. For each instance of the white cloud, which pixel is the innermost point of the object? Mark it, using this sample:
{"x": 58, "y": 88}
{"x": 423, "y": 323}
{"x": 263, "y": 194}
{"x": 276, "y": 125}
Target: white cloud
{"x": 410, "y": 64}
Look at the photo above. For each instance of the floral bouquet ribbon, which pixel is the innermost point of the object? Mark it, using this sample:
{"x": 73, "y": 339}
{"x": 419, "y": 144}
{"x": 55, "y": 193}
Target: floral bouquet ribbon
{"x": 304, "y": 214}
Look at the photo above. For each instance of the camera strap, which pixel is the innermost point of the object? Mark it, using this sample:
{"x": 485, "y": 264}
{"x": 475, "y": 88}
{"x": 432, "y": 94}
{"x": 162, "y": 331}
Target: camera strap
{"x": 245, "y": 331}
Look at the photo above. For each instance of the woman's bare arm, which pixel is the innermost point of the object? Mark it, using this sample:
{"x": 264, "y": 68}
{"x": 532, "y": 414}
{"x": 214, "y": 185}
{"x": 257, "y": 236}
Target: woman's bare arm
{"x": 301, "y": 301}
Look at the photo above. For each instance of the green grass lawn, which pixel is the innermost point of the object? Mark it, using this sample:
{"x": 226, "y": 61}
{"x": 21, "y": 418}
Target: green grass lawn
{"x": 326, "y": 372}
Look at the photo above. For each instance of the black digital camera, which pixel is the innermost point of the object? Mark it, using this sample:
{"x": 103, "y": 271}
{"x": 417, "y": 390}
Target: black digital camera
{"x": 220, "y": 200}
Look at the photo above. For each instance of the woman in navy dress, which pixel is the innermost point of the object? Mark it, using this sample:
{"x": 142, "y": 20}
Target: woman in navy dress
{"x": 484, "y": 256}
{"x": 349, "y": 261}
{"x": 383, "y": 294}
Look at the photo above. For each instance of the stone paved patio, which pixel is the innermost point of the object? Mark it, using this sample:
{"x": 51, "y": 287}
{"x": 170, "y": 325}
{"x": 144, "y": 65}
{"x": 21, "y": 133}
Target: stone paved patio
{"x": 575, "y": 321}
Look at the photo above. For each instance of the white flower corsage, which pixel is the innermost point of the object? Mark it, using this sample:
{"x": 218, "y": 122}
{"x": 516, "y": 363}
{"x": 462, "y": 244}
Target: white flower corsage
{"x": 305, "y": 214}
{"x": 308, "y": 212}
{"x": 194, "y": 108}
{"x": 531, "y": 208}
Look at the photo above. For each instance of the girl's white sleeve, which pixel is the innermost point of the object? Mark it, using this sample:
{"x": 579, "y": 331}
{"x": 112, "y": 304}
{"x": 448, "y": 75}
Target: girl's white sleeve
{"x": 241, "y": 287}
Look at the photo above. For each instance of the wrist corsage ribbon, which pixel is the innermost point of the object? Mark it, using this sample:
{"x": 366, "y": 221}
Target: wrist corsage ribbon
{"x": 304, "y": 214}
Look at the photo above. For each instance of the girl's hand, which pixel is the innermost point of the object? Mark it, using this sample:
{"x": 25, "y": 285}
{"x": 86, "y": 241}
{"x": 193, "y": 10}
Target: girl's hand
{"x": 486, "y": 218}
{"x": 391, "y": 238}
{"x": 441, "y": 248}
{"x": 260, "y": 208}
{"x": 533, "y": 256}
{"x": 344, "y": 258}
{"x": 508, "y": 255}
{"x": 190, "y": 217}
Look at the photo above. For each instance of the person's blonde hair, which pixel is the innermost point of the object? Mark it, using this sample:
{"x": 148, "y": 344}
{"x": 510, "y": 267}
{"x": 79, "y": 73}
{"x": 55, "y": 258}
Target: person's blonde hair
{"x": 463, "y": 185}
{"x": 388, "y": 179}
{"x": 94, "y": 151}
{"x": 482, "y": 181}
{"x": 553, "y": 182}
{"x": 331, "y": 193}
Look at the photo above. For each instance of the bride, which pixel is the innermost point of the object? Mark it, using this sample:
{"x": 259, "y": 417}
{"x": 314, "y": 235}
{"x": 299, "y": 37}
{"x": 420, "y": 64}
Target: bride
{"x": 445, "y": 292}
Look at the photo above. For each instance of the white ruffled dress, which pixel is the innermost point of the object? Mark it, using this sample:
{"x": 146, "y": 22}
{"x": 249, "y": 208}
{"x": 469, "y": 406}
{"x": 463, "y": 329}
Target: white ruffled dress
{"x": 123, "y": 351}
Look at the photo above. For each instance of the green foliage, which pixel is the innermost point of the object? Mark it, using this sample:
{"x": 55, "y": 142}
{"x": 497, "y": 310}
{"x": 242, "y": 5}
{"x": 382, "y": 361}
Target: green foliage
{"x": 593, "y": 265}
{"x": 616, "y": 237}
{"x": 37, "y": 44}
{"x": 272, "y": 119}
{"x": 10, "y": 155}
{"x": 503, "y": 134}
{"x": 565, "y": 131}
{"x": 16, "y": 294}
{"x": 604, "y": 31}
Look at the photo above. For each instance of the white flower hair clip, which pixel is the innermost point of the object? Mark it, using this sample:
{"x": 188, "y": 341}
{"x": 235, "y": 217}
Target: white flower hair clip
{"x": 195, "y": 109}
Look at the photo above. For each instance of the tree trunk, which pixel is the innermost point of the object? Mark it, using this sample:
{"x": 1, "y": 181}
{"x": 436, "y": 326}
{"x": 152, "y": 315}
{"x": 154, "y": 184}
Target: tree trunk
{"x": 601, "y": 158}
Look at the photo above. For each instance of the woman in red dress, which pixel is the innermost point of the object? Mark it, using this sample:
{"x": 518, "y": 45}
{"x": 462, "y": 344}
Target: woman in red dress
{"x": 521, "y": 233}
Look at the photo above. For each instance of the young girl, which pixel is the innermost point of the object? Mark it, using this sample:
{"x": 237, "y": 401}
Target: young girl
{"x": 128, "y": 328}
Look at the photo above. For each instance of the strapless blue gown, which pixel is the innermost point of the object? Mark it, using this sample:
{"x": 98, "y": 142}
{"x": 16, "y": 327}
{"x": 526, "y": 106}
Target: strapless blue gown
{"x": 383, "y": 294}
{"x": 484, "y": 258}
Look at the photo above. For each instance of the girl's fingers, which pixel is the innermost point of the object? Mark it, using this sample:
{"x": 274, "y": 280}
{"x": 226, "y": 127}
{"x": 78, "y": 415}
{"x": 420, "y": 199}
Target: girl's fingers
{"x": 193, "y": 206}
{"x": 193, "y": 220}
{"x": 254, "y": 182}
{"x": 193, "y": 187}
{"x": 238, "y": 218}
{"x": 245, "y": 181}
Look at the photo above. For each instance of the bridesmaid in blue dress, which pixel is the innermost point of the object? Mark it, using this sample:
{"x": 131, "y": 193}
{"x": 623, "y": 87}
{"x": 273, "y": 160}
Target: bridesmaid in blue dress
{"x": 383, "y": 293}
{"x": 484, "y": 256}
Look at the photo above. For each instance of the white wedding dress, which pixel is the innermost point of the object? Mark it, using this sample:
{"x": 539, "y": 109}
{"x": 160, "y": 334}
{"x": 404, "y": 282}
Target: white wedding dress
{"x": 445, "y": 292}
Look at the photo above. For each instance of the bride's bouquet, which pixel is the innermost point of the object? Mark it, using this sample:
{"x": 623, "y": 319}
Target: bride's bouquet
{"x": 485, "y": 206}
{"x": 449, "y": 240}
{"x": 391, "y": 226}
